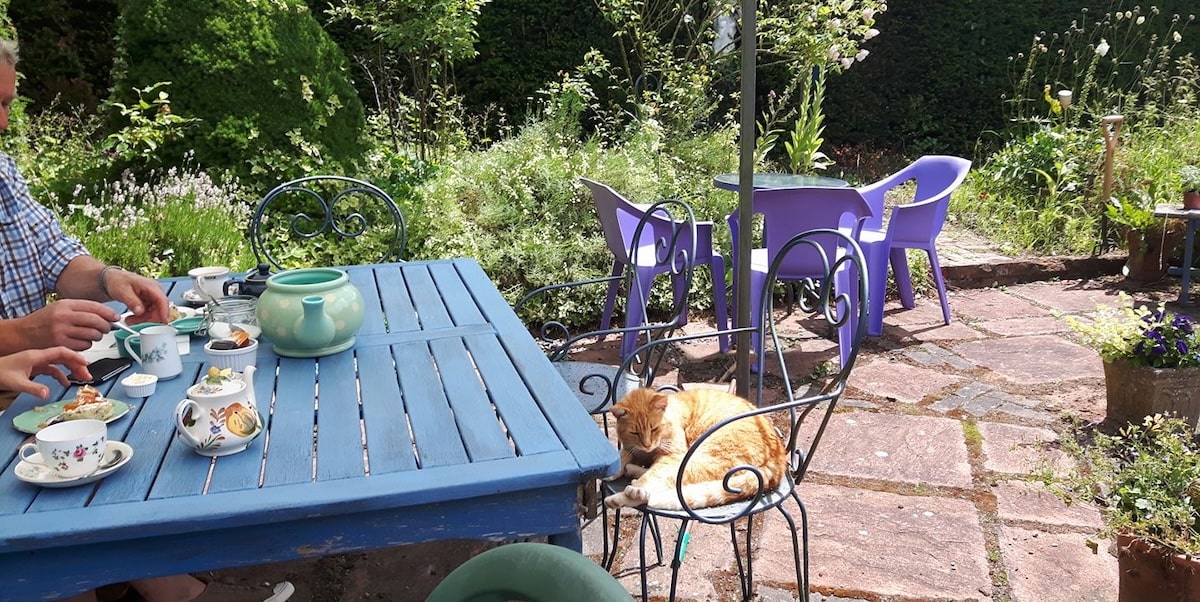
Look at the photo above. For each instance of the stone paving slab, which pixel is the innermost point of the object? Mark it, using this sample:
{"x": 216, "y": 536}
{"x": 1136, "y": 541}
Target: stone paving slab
{"x": 873, "y": 544}
{"x": 1067, "y": 297}
{"x": 899, "y": 381}
{"x": 992, "y": 304}
{"x": 919, "y": 450}
{"x": 1021, "y": 450}
{"x": 1015, "y": 327}
{"x": 1033, "y": 359}
{"x": 1057, "y": 566}
{"x": 1033, "y": 502}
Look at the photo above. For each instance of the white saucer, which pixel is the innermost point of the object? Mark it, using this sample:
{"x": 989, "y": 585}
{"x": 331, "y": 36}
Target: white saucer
{"x": 191, "y": 296}
{"x": 45, "y": 477}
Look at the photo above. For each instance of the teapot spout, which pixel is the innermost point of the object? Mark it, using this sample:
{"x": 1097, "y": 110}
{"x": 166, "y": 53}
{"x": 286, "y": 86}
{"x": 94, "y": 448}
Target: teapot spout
{"x": 314, "y": 328}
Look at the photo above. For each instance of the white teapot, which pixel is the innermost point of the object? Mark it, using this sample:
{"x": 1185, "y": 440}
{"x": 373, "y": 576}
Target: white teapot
{"x": 219, "y": 416}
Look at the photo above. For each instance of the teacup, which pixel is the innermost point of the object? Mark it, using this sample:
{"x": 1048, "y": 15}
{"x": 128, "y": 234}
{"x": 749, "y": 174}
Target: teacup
{"x": 209, "y": 281}
{"x": 71, "y": 449}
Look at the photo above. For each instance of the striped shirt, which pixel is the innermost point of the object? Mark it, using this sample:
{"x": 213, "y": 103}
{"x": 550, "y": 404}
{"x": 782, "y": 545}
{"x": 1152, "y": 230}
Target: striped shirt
{"x": 33, "y": 247}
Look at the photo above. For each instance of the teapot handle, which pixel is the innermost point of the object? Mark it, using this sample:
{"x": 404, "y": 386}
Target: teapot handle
{"x": 183, "y": 431}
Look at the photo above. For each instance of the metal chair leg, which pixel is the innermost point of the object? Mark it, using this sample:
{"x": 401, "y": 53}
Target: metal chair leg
{"x": 801, "y": 576}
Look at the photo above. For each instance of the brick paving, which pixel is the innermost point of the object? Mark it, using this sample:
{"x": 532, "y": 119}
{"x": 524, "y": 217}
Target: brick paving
{"x": 922, "y": 488}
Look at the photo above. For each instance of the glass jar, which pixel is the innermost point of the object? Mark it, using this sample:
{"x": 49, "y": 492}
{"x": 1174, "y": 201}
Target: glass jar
{"x": 225, "y": 314}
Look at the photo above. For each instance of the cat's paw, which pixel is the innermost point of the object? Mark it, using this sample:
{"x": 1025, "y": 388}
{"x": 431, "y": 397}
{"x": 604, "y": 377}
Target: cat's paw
{"x": 634, "y": 471}
{"x": 637, "y": 495}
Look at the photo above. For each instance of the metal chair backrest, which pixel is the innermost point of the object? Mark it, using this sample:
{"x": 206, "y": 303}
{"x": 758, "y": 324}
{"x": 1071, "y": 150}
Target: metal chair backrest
{"x": 308, "y": 221}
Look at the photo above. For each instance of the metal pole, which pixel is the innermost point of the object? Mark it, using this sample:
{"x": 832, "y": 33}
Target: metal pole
{"x": 746, "y": 193}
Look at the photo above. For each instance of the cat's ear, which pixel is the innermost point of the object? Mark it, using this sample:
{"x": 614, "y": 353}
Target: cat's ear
{"x": 618, "y": 411}
{"x": 659, "y": 401}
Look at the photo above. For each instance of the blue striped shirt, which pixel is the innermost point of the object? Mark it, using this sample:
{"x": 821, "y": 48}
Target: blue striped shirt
{"x": 33, "y": 246}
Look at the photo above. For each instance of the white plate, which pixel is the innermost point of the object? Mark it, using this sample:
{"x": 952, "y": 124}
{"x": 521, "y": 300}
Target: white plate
{"x": 45, "y": 477}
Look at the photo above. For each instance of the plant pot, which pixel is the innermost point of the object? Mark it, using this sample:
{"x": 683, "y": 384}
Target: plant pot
{"x": 1148, "y": 572}
{"x": 1191, "y": 200}
{"x": 1146, "y": 262}
{"x": 1134, "y": 392}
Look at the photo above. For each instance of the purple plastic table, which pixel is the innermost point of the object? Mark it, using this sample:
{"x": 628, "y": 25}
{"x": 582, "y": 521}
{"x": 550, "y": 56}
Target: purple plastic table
{"x": 730, "y": 181}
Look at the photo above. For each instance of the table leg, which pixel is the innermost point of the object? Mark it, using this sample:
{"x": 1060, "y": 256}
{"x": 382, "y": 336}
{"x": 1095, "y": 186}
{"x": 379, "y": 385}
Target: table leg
{"x": 1186, "y": 271}
{"x": 571, "y": 540}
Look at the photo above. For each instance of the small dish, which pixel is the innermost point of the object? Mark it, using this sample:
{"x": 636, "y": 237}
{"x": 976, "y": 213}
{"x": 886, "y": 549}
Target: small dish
{"x": 188, "y": 325}
{"x": 116, "y": 455}
{"x": 35, "y": 420}
{"x": 139, "y": 385}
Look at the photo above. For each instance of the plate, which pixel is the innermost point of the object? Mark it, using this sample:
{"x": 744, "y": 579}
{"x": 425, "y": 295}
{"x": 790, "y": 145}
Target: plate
{"x": 28, "y": 422}
{"x": 188, "y": 325}
{"x": 116, "y": 455}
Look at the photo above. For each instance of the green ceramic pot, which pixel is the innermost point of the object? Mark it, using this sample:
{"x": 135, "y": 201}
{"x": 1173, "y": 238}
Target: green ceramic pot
{"x": 310, "y": 312}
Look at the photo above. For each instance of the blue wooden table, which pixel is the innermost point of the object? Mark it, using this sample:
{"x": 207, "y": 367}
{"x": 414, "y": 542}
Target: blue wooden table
{"x": 445, "y": 420}
{"x": 1188, "y": 270}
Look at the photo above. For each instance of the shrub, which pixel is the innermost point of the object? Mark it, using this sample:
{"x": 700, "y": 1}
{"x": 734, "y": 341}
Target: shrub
{"x": 267, "y": 82}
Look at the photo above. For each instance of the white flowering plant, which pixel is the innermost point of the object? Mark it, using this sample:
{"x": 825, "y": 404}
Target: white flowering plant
{"x": 1145, "y": 337}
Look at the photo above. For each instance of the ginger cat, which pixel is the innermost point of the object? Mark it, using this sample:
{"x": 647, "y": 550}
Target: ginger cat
{"x": 655, "y": 430}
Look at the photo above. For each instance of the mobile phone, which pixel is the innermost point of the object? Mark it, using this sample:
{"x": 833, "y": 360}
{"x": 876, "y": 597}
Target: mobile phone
{"x": 105, "y": 369}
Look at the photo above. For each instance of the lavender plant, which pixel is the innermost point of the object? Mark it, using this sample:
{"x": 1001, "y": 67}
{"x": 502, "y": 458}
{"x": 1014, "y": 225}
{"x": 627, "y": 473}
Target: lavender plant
{"x": 164, "y": 223}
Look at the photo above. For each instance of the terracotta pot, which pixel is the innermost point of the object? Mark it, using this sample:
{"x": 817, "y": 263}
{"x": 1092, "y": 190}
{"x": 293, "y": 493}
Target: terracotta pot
{"x": 1150, "y": 574}
{"x": 1134, "y": 392}
{"x": 1191, "y": 200}
{"x": 1146, "y": 262}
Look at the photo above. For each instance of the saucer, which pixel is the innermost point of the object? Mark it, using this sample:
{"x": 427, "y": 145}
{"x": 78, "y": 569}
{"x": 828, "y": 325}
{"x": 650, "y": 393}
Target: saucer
{"x": 193, "y": 297}
{"x": 117, "y": 453}
{"x": 31, "y": 420}
{"x": 188, "y": 325}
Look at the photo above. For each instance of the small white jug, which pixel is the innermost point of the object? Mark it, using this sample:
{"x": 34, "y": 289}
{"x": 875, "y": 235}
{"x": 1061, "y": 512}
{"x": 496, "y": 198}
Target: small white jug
{"x": 160, "y": 352}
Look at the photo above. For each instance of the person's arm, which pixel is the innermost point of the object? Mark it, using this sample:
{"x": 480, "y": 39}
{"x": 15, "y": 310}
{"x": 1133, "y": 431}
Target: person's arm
{"x": 18, "y": 369}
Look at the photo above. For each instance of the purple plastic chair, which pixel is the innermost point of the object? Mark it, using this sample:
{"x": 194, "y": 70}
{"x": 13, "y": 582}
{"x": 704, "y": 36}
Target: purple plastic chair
{"x": 914, "y": 225}
{"x": 786, "y": 213}
{"x": 619, "y": 218}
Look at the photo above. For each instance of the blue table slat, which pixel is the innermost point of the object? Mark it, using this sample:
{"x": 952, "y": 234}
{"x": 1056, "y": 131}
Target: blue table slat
{"x": 434, "y": 430}
{"x": 389, "y": 446}
{"x": 428, "y": 301}
{"x": 338, "y": 432}
{"x": 468, "y": 429}
{"x": 290, "y": 436}
{"x": 473, "y": 410}
{"x": 525, "y": 421}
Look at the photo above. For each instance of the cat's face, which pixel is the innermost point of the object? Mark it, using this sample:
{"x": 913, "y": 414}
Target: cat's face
{"x": 640, "y": 419}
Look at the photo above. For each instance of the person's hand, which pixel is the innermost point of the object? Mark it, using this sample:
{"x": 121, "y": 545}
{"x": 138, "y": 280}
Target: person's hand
{"x": 143, "y": 296}
{"x": 18, "y": 369}
{"x": 71, "y": 323}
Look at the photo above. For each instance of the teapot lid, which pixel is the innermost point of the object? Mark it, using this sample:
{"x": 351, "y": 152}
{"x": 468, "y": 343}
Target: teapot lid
{"x": 259, "y": 274}
{"x": 218, "y": 382}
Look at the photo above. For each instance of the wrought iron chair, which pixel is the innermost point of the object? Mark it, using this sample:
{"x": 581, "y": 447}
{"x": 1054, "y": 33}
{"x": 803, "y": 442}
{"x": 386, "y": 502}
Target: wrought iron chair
{"x": 663, "y": 242}
{"x": 819, "y": 298}
{"x": 529, "y": 571}
{"x": 914, "y": 225}
{"x": 325, "y": 211}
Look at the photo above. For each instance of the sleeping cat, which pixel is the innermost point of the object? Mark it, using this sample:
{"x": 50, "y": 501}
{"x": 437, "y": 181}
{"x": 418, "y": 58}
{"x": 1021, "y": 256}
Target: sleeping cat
{"x": 655, "y": 430}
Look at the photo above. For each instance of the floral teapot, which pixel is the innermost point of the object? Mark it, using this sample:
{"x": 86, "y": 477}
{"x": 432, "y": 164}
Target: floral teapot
{"x": 219, "y": 416}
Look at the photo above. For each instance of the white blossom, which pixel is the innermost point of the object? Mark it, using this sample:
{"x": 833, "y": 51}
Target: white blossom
{"x": 868, "y": 13}
{"x": 1175, "y": 36}
{"x": 874, "y": 32}
{"x": 1141, "y": 20}
{"x": 835, "y": 53}
{"x": 862, "y": 55}
{"x": 1102, "y": 47}
{"x": 846, "y": 62}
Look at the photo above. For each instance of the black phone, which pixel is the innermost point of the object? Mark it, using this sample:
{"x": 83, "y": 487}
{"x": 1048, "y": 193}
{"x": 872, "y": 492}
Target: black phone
{"x": 105, "y": 369}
